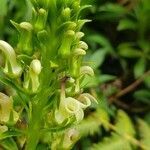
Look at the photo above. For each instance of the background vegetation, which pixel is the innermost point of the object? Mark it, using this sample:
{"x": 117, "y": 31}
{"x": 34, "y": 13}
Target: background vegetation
{"x": 119, "y": 43}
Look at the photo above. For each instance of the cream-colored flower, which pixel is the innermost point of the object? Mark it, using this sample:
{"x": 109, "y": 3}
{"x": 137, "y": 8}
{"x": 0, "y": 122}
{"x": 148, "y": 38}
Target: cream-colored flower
{"x": 11, "y": 66}
{"x": 86, "y": 70}
{"x": 6, "y": 108}
{"x": 32, "y": 76}
{"x": 70, "y": 137}
{"x": 69, "y": 107}
{"x": 3, "y": 129}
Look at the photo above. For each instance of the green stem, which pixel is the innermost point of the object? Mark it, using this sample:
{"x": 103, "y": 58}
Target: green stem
{"x": 34, "y": 129}
{"x": 38, "y": 104}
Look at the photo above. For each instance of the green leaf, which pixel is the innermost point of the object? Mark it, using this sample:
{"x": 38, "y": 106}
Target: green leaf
{"x": 94, "y": 120}
{"x": 106, "y": 78}
{"x": 98, "y": 58}
{"x": 9, "y": 144}
{"x": 113, "y": 8}
{"x": 112, "y": 143}
{"x": 142, "y": 95}
{"x": 123, "y": 124}
{"x": 144, "y": 131}
{"x": 125, "y": 24}
{"x": 9, "y": 134}
{"x": 89, "y": 81}
{"x": 139, "y": 68}
{"x": 102, "y": 41}
{"x": 147, "y": 81}
{"x": 127, "y": 50}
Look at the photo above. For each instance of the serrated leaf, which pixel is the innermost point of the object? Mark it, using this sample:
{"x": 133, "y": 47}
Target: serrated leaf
{"x": 124, "y": 124}
{"x": 139, "y": 68}
{"x": 144, "y": 131}
{"x": 112, "y": 143}
{"x": 94, "y": 120}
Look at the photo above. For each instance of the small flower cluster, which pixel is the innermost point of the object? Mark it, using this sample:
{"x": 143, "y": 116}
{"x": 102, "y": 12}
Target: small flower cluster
{"x": 49, "y": 55}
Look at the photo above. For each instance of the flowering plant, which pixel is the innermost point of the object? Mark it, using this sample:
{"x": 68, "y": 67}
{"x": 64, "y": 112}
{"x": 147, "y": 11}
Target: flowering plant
{"x": 45, "y": 71}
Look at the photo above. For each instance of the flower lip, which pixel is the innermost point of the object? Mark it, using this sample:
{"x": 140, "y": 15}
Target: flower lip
{"x": 71, "y": 105}
{"x": 84, "y": 101}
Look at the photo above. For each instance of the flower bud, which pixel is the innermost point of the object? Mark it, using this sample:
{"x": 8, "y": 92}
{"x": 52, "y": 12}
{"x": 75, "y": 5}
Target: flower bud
{"x": 86, "y": 70}
{"x": 66, "y": 13}
{"x": 79, "y": 52}
{"x": 76, "y": 7}
{"x": 43, "y": 3}
{"x": 69, "y": 25}
{"x": 12, "y": 68}
{"x": 6, "y": 106}
{"x": 83, "y": 45}
{"x": 32, "y": 76}
{"x": 64, "y": 50}
{"x": 41, "y": 19}
{"x": 25, "y": 39}
{"x": 36, "y": 66}
{"x": 74, "y": 67}
{"x": 79, "y": 35}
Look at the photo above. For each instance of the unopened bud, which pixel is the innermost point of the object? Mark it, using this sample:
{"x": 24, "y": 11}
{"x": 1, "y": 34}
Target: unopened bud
{"x": 26, "y": 25}
{"x": 32, "y": 76}
{"x": 41, "y": 19}
{"x": 79, "y": 35}
{"x": 83, "y": 45}
{"x": 64, "y": 50}
{"x": 25, "y": 40}
{"x": 79, "y": 52}
{"x": 36, "y": 66}
{"x": 86, "y": 70}
{"x": 66, "y": 13}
